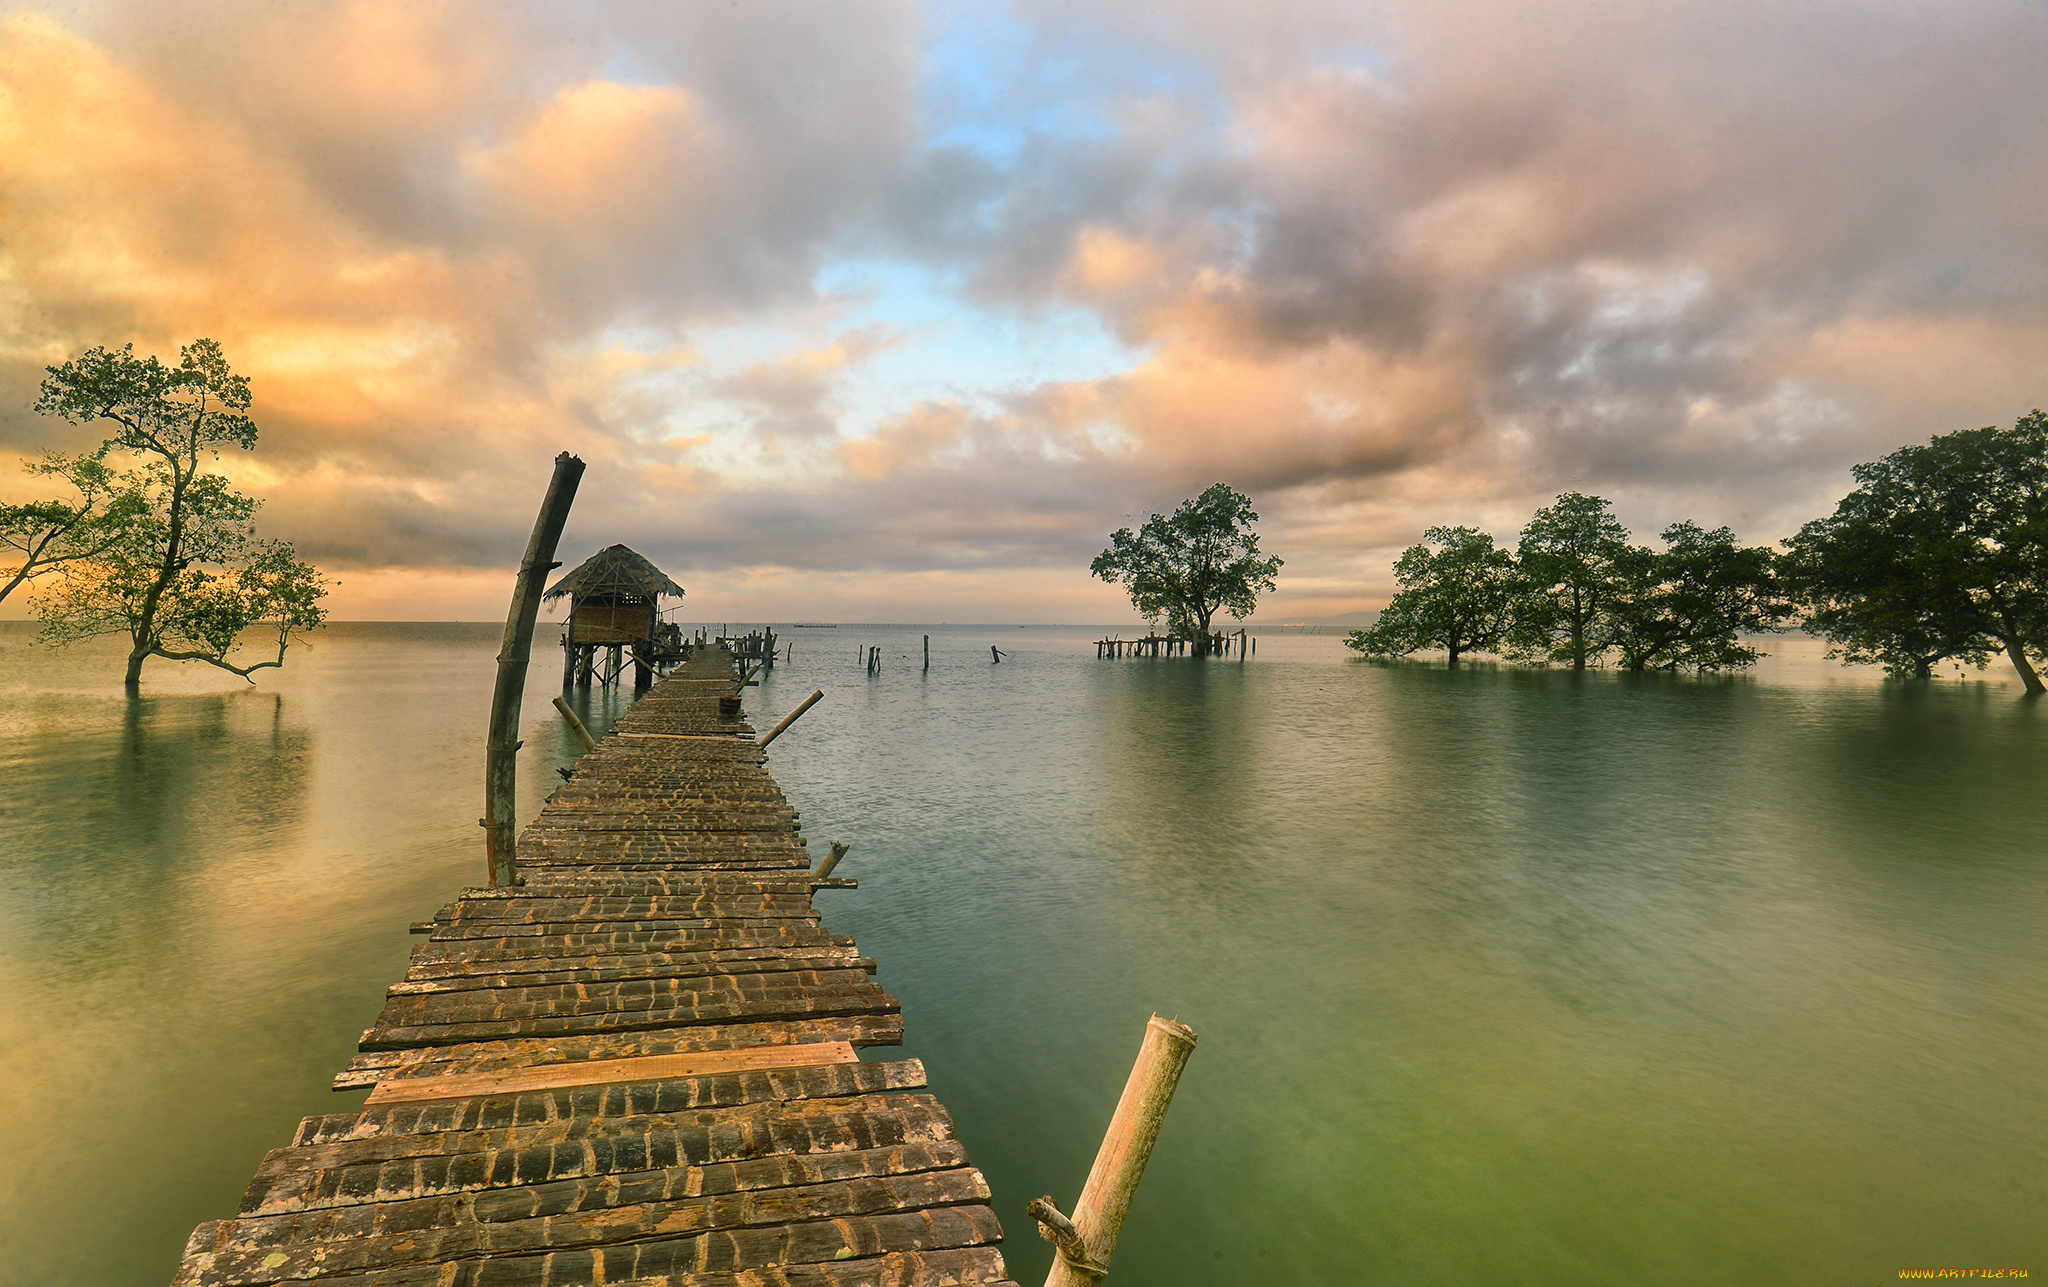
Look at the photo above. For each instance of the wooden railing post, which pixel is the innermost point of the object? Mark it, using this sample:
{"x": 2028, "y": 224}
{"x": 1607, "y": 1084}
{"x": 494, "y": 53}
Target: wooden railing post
{"x": 501, "y": 752}
{"x": 1085, "y": 1243}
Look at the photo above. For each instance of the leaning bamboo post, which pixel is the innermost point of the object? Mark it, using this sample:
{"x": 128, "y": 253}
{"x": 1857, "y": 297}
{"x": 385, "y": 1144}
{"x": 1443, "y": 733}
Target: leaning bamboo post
{"x": 576, "y": 725}
{"x": 790, "y": 718}
{"x": 501, "y": 752}
{"x": 1084, "y": 1244}
{"x": 831, "y": 860}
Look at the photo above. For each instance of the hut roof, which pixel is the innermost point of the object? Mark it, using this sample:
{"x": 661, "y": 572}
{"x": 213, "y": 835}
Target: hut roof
{"x": 615, "y": 570}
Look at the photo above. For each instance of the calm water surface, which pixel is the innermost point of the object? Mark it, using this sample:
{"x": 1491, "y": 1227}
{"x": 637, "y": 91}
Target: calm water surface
{"x": 1500, "y": 976}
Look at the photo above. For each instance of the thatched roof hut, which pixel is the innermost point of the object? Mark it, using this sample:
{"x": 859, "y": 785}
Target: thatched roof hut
{"x": 615, "y": 603}
{"x": 615, "y": 572}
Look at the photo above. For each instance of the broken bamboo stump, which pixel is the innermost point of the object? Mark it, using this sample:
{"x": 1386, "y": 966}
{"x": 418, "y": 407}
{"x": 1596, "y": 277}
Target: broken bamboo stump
{"x": 838, "y": 851}
{"x": 1084, "y": 1244}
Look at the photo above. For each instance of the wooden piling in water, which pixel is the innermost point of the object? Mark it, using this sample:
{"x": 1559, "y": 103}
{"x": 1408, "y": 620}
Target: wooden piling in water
{"x": 576, "y": 725}
{"x": 501, "y": 748}
{"x": 832, "y": 858}
{"x": 791, "y": 718}
{"x": 1087, "y": 1241}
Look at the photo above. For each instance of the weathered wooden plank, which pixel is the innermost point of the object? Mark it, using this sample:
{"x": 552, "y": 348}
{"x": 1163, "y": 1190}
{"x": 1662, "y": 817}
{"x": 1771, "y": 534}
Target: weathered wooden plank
{"x": 592, "y": 1072}
{"x": 464, "y": 976}
{"x": 620, "y": 1099}
{"x": 398, "y": 1036}
{"x": 650, "y": 853}
{"x": 552, "y": 905}
{"x": 711, "y": 1257}
{"x": 709, "y": 937}
{"x": 857, "y": 1029}
{"x": 305, "y": 1244}
{"x": 385, "y": 1168}
{"x": 587, "y": 1209}
{"x": 976, "y": 1266}
{"x": 656, "y": 896}
{"x": 960, "y": 1267}
{"x": 723, "y": 911}
{"x": 556, "y": 1000}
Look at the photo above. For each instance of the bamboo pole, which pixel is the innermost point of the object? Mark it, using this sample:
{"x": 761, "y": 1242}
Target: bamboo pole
{"x": 576, "y": 725}
{"x": 831, "y": 860}
{"x": 1085, "y": 1243}
{"x": 790, "y": 718}
{"x": 501, "y": 751}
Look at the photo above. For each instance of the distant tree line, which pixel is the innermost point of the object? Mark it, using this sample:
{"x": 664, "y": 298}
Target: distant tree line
{"x": 1940, "y": 554}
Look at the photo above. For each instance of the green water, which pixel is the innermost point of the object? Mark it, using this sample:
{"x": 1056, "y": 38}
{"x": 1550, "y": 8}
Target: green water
{"x": 1500, "y": 976}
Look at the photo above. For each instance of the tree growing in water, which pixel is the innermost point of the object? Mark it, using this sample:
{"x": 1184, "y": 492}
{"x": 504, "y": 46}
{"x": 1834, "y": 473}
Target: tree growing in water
{"x": 1186, "y": 566}
{"x": 1572, "y": 556}
{"x": 41, "y": 537}
{"x": 1688, "y": 606}
{"x": 1579, "y": 591}
{"x": 179, "y": 567}
{"x": 1941, "y": 553}
{"x": 1459, "y": 597}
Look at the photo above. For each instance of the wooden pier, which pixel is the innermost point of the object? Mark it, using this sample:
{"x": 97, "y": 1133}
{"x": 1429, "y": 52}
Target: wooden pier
{"x": 1155, "y": 645}
{"x": 638, "y": 1068}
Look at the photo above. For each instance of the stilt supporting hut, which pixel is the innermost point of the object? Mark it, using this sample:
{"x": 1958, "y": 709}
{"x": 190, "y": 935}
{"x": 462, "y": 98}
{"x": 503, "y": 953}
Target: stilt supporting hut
{"x": 615, "y": 604}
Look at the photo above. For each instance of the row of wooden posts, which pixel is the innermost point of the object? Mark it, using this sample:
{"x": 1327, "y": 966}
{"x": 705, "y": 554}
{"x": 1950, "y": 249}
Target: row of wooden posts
{"x": 752, "y": 652}
{"x": 580, "y": 665}
{"x": 1220, "y": 645}
{"x": 755, "y": 645}
{"x": 1084, "y": 1241}
{"x": 872, "y": 656}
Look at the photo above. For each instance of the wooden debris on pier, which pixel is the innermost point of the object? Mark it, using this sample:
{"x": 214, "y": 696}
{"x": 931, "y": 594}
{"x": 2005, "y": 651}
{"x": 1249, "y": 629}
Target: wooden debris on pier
{"x": 638, "y": 1067}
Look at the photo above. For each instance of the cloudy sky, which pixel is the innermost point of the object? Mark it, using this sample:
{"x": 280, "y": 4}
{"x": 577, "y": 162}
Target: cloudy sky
{"x": 885, "y": 312}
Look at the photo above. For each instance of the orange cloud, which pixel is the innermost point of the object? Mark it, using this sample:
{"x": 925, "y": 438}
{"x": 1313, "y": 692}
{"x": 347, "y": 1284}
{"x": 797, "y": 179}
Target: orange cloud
{"x": 601, "y": 161}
